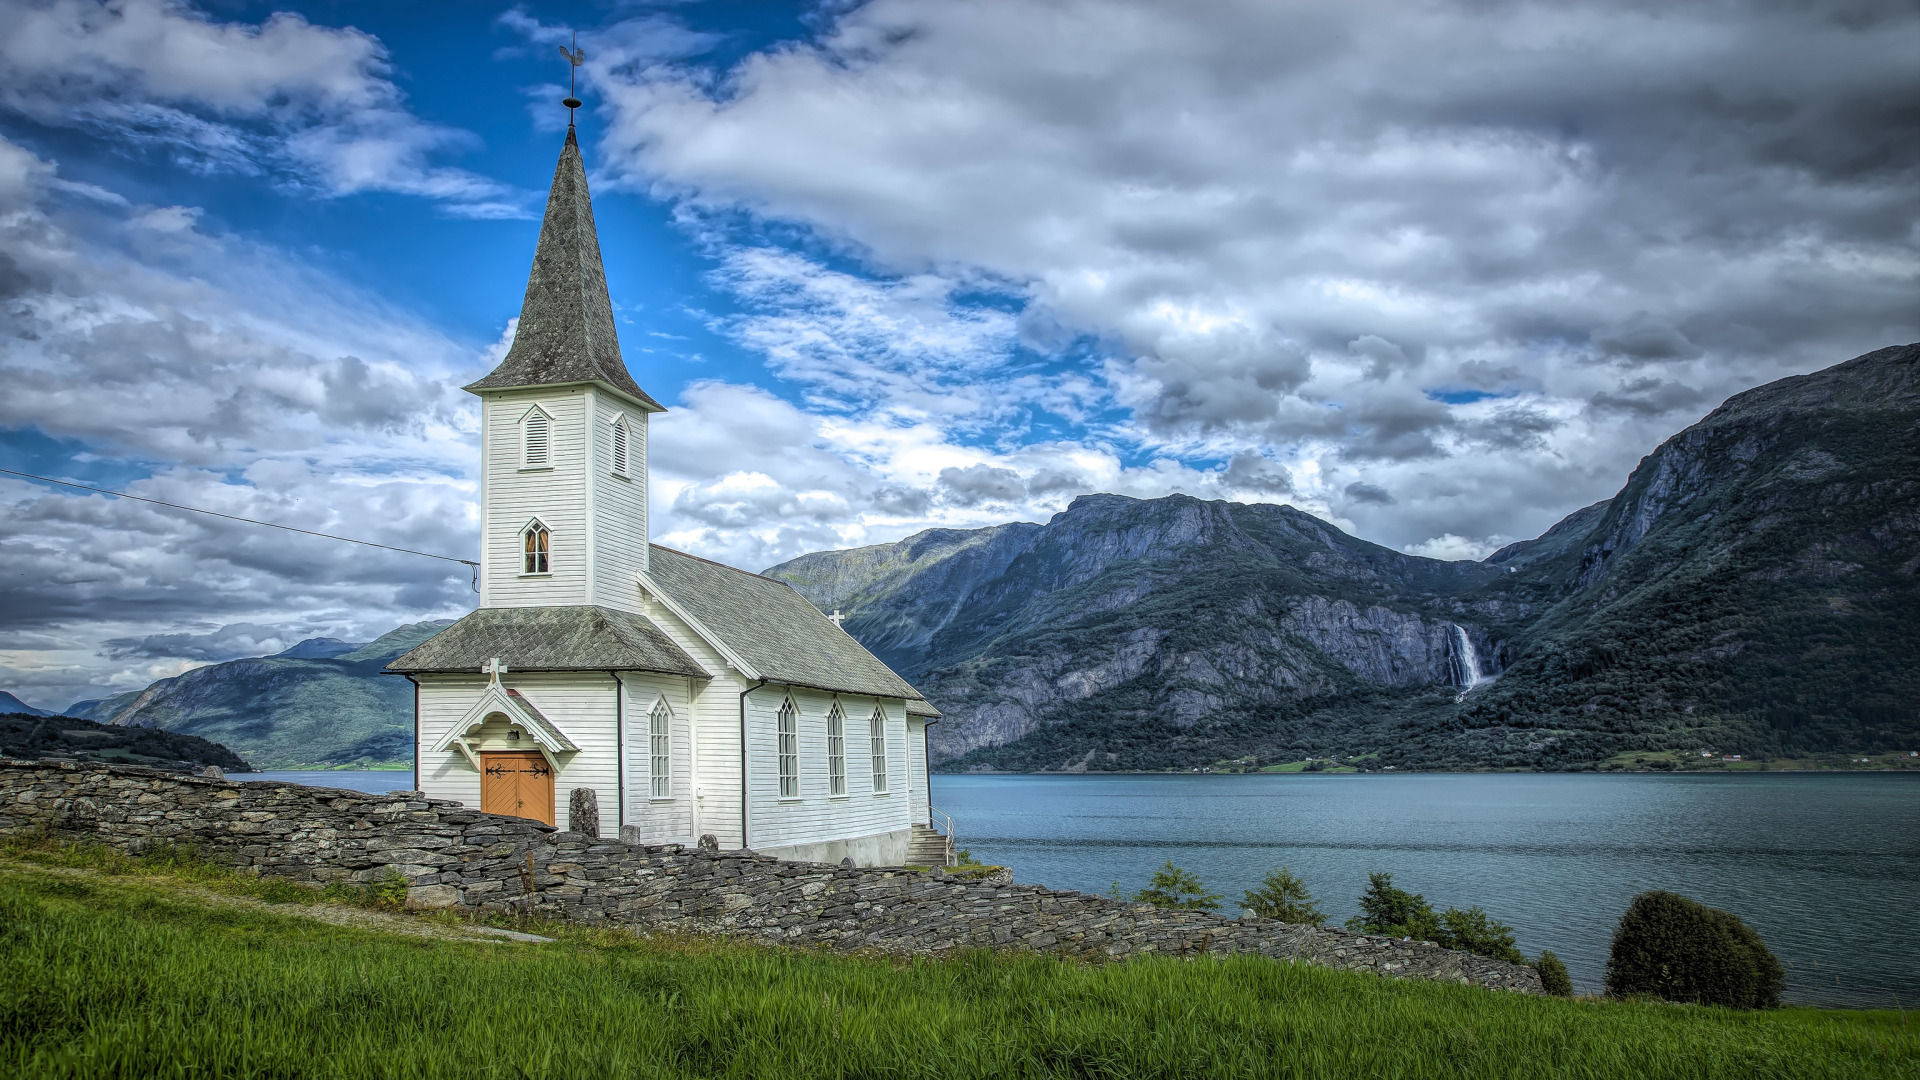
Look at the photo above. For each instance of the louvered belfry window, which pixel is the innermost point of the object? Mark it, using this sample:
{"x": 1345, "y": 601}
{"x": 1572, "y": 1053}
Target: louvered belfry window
{"x": 620, "y": 447}
{"x": 537, "y": 543}
{"x": 660, "y": 739}
{"x": 536, "y": 440}
{"x": 836, "y": 751}
{"x": 877, "y": 741}
{"x": 789, "y": 751}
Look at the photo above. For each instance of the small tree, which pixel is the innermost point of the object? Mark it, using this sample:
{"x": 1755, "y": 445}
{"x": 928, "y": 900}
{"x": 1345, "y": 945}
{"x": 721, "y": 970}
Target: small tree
{"x": 1670, "y": 947}
{"x": 1283, "y": 896}
{"x": 1174, "y": 888}
{"x": 1394, "y": 912}
{"x": 1472, "y": 931}
{"x": 1553, "y": 975}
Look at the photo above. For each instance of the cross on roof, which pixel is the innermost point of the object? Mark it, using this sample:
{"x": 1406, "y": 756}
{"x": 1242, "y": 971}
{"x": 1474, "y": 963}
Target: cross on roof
{"x": 836, "y": 616}
{"x": 493, "y": 668}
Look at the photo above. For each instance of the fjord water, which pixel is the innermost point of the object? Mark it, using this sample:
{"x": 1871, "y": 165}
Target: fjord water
{"x": 1825, "y": 866}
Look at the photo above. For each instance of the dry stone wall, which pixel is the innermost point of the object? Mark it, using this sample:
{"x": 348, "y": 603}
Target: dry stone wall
{"x": 456, "y": 857}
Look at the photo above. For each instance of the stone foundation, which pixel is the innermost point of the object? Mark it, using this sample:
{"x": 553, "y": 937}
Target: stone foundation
{"x": 460, "y": 858}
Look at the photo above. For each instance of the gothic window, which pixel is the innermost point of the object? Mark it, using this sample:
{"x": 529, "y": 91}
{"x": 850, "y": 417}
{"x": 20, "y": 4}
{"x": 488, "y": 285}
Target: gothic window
{"x": 536, "y": 543}
{"x": 660, "y": 747}
{"x": 536, "y": 440}
{"x": 836, "y": 751}
{"x": 620, "y": 447}
{"x": 877, "y": 744}
{"x": 789, "y": 726}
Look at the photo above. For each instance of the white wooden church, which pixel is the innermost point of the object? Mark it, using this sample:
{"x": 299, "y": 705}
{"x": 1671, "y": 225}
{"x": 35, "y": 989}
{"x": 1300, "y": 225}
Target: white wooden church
{"x": 693, "y": 698}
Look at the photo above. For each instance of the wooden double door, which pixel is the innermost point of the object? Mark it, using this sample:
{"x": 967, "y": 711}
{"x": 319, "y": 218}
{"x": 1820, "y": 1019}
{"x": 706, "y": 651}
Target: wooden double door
{"x": 516, "y": 783}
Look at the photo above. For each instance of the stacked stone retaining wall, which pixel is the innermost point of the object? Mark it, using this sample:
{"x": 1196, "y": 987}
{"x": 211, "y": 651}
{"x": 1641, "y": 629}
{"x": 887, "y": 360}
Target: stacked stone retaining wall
{"x": 454, "y": 857}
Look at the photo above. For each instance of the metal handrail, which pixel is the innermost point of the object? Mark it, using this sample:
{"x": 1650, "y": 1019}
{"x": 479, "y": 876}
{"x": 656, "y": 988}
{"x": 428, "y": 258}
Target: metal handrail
{"x": 932, "y": 815}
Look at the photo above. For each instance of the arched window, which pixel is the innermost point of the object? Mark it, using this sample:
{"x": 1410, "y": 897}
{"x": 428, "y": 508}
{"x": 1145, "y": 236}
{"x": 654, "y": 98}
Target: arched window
{"x": 620, "y": 446}
{"x": 536, "y": 440}
{"x": 660, "y": 749}
{"x": 836, "y": 751}
{"x": 537, "y": 543}
{"x": 877, "y": 747}
{"x": 788, "y": 725}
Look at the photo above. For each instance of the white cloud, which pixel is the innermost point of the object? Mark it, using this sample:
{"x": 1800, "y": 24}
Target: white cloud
{"x": 1324, "y": 232}
{"x": 311, "y": 103}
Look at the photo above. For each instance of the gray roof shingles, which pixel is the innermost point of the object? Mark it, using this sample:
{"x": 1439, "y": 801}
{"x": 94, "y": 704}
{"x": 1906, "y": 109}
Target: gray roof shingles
{"x": 773, "y": 627}
{"x": 570, "y": 638}
{"x": 566, "y": 333}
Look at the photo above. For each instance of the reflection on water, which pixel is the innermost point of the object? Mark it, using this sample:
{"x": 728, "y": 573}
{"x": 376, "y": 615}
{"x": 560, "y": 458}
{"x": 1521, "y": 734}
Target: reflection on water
{"x": 1825, "y": 867}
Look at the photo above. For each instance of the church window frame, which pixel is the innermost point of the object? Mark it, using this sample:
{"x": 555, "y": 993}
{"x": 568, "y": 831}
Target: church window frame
{"x": 620, "y": 459}
{"x": 877, "y": 749}
{"x": 836, "y": 751}
{"x": 787, "y": 745}
{"x": 660, "y": 750}
{"x": 536, "y": 440}
{"x": 536, "y": 549}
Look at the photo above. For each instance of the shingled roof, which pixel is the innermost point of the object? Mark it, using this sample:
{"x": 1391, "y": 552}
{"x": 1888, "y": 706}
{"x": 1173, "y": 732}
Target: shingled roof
{"x": 773, "y": 628}
{"x": 572, "y": 638}
{"x": 566, "y": 330}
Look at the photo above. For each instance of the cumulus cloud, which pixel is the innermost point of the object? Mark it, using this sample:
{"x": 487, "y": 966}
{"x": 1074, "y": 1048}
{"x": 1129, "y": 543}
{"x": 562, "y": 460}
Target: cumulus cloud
{"x": 264, "y": 389}
{"x": 1481, "y": 256}
{"x": 313, "y": 104}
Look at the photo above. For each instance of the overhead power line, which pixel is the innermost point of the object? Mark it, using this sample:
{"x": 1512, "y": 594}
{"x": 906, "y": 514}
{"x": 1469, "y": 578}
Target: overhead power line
{"x": 249, "y": 521}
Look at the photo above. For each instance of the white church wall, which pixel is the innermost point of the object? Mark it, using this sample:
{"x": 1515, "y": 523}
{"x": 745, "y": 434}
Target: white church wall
{"x": 512, "y": 495}
{"x": 917, "y": 772}
{"x": 817, "y": 822}
{"x": 618, "y": 505}
{"x": 715, "y": 736}
{"x": 668, "y": 820}
{"x": 581, "y": 704}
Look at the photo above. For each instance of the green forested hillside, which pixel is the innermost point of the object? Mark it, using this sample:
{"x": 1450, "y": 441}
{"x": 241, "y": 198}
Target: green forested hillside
{"x": 289, "y": 711}
{"x": 1751, "y": 590}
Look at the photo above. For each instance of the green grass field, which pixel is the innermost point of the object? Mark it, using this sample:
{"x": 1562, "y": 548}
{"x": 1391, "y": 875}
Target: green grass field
{"x": 122, "y": 971}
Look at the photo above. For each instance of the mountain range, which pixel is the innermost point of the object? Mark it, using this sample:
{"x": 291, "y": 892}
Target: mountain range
{"x": 322, "y": 703}
{"x": 1751, "y": 589}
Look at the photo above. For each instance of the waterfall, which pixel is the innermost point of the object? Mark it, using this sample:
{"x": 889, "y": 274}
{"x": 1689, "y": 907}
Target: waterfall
{"x": 1466, "y": 660}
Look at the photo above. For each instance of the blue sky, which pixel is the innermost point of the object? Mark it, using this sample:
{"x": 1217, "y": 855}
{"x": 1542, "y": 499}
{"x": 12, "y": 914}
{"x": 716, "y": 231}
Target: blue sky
{"x": 1438, "y": 276}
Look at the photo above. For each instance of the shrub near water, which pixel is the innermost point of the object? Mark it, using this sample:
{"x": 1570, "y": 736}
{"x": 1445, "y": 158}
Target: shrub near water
{"x": 1283, "y": 896}
{"x": 1670, "y": 947}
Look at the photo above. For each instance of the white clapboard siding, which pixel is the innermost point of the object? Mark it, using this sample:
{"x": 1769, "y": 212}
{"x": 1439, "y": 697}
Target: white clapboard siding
{"x": 917, "y": 771}
{"x": 511, "y": 496}
{"x": 668, "y": 820}
{"x": 618, "y": 505}
{"x": 815, "y": 816}
{"x": 714, "y": 742}
{"x": 581, "y": 704}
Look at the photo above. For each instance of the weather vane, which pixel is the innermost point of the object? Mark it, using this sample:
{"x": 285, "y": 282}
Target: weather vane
{"x": 574, "y": 57}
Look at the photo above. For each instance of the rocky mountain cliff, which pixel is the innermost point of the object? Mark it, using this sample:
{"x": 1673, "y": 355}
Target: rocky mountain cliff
{"x": 1751, "y": 588}
{"x": 321, "y": 703}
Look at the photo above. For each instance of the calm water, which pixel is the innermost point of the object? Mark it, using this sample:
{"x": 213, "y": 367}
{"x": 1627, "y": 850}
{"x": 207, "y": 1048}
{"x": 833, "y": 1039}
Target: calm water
{"x": 1825, "y": 867}
{"x": 371, "y": 781}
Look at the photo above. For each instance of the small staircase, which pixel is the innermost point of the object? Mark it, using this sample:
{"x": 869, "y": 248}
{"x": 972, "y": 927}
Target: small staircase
{"x": 929, "y": 848}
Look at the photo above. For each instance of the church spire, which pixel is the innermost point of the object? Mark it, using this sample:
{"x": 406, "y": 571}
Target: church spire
{"x": 566, "y": 330}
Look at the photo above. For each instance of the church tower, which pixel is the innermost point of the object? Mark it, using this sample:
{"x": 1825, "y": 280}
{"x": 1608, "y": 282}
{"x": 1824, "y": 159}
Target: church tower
{"x": 563, "y": 472}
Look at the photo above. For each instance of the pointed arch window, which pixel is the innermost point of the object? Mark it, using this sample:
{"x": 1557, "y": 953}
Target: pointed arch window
{"x": 877, "y": 749}
{"x": 660, "y": 749}
{"x": 622, "y": 437}
{"x": 536, "y": 544}
{"x": 836, "y": 751}
{"x": 787, "y": 724}
{"x": 536, "y": 439}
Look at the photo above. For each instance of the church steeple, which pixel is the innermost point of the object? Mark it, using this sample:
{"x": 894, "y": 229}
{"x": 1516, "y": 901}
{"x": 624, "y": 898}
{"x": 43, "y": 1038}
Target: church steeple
{"x": 566, "y": 333}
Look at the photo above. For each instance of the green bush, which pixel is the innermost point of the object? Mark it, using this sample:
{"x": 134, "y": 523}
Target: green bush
{"x": 1670, "y": 947}
{"x": 1553, "y": 975}
{"x": 1472, "y": 931}
{"x": 1174, "y": 888}
{"x": 1283, "y": 896}
{"x": 389, "y": 889}
{"x": 1395, "y": 912}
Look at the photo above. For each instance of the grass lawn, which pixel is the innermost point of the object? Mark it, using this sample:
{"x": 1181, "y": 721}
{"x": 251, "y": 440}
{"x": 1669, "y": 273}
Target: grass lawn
{"x": 116, "y": 970}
